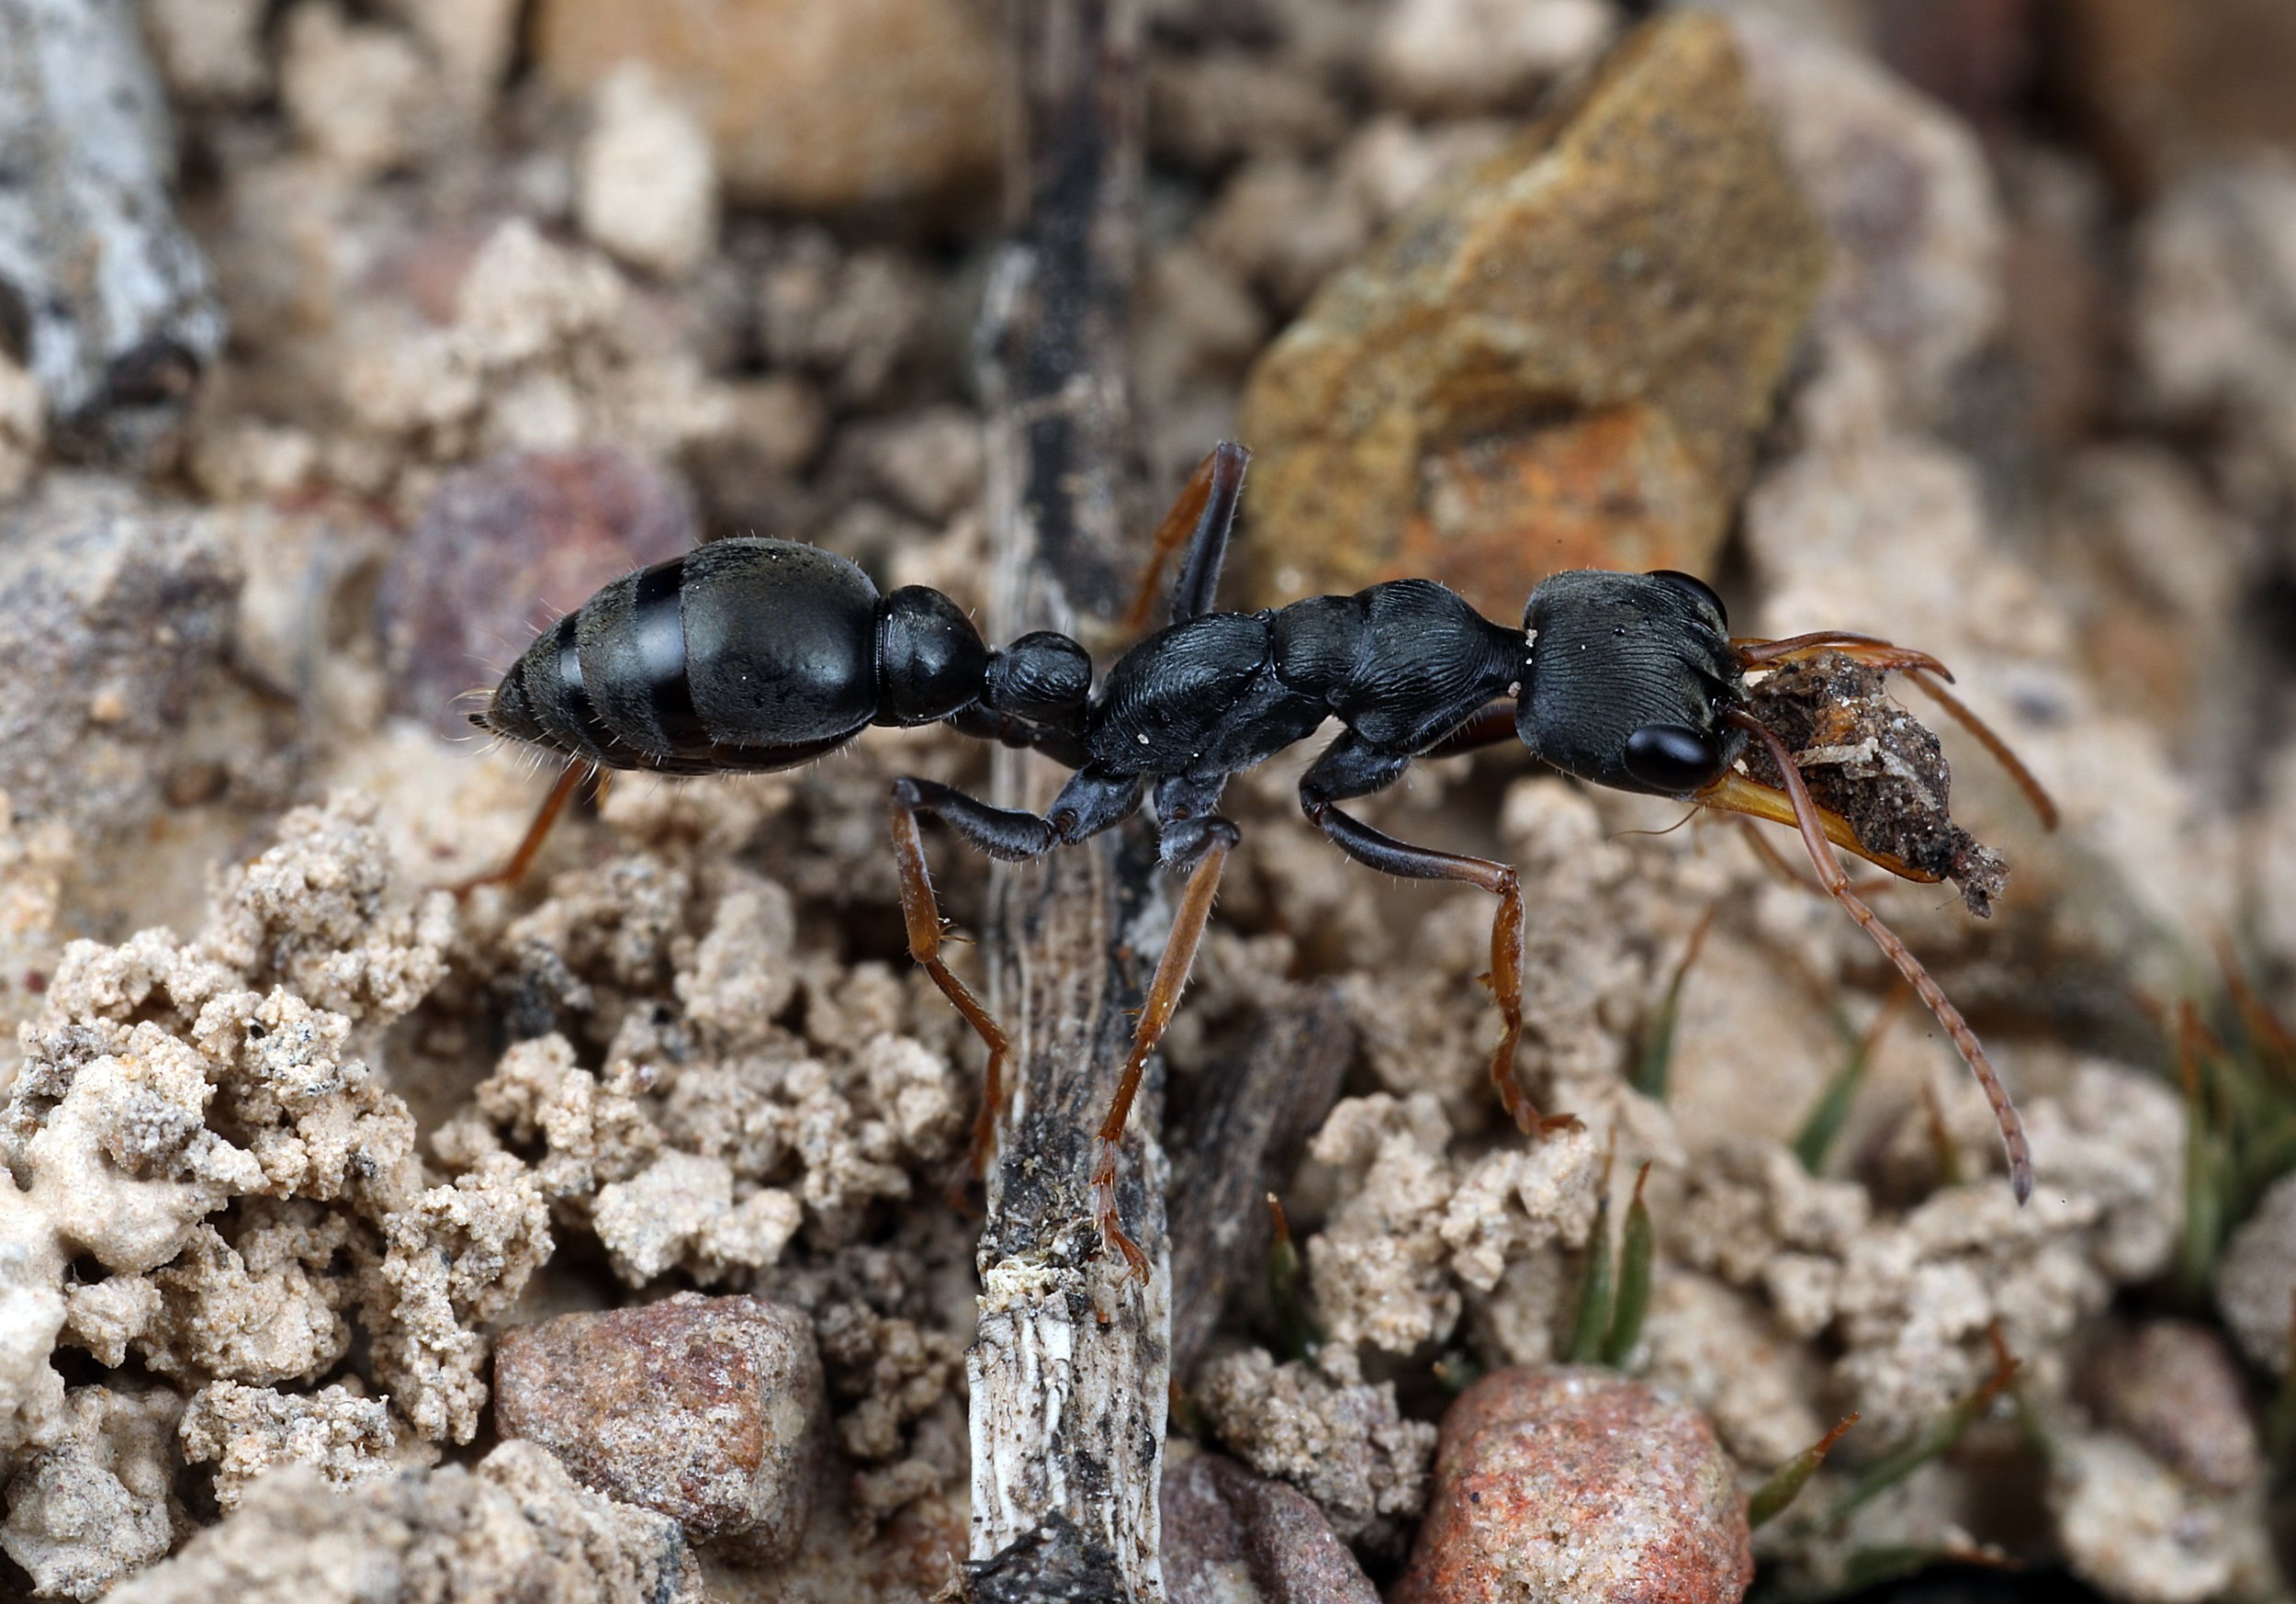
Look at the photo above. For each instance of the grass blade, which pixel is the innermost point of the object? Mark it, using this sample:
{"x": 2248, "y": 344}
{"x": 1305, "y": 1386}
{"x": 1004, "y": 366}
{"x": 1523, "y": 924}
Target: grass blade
{"x": 1937, "y": 1440}
{"x": 1776, "y": 1495}
{"x": 1636, "y": 1247}
{"x": 1654, "y": 1065}
{"x": 1831, "y": 1112}
{"x": 1594, "y": 1294}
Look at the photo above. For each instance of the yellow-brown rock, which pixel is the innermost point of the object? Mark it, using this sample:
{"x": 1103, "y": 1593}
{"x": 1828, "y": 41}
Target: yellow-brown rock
{"x": 811, "y": 105}
{"x": 1561, "y": 359}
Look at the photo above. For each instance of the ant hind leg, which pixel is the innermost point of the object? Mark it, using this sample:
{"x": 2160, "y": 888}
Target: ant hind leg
{"x": 1091, "y": 802}
{"x": 537, "y": 831}
{"x": 1203, "y": 517}
{"x": 920, "y": 915}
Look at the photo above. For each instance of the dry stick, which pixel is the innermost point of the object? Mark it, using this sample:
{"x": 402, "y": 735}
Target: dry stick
{"x": 1249, "y": 1118}
{"x": 1069, "y": 1375}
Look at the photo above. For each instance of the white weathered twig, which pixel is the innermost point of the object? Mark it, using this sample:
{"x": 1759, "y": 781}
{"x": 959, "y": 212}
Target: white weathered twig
{"x": 1071, "y": 1368}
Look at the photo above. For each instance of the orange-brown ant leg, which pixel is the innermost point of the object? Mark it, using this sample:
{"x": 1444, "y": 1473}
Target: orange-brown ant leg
{"x": 1756, "y": 653}
{"x": 920, "y": 913}
{"x": 2042, "y": 804}
{"x": 538, "y": 832}
{"x": 1200, "y": 520}
{"x": 1807, "y": 820}
{"x": 1351, "y": 766}
{"x": 1163, "y": 996}
{"x": 1489, "y": 728}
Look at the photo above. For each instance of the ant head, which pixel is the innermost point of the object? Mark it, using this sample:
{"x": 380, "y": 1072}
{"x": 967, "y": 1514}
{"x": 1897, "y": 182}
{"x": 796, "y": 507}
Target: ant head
{"x": 1627, "y": 681}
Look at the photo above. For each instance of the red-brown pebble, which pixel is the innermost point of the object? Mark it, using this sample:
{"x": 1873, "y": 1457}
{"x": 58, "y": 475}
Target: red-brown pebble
{"x": 710, "y": 1410}
{"x": 502, "y": 549}
{"x": 1577, "y": 1486}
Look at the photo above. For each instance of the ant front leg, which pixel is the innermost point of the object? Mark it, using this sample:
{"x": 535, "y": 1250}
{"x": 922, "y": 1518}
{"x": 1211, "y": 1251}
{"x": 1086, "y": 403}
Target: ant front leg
{"x": 1351, "y": 766}
{"x": 1871, "y": 649}
{"x": 1090, "y": 803}
{"x": 1490, "y": 726}
{"x": 1199, "y": 842}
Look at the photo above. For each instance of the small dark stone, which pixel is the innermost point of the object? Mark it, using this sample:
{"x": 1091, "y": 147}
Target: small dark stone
{"x": 1231, "y": 1537}
{"x": 504, "y": 548}
{"x": 2176, "y": 1387}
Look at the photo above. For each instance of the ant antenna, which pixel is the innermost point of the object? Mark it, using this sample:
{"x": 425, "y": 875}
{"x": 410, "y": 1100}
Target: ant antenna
{"x": 1831, "y": 874}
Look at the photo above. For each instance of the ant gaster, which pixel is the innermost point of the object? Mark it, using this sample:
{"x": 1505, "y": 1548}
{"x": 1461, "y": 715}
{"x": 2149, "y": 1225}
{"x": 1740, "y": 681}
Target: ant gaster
{"x": 751, "y": 654}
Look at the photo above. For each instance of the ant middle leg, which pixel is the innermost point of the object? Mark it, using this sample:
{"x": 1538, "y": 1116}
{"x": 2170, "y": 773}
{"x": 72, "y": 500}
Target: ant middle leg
{"x": 1092, "y": 801}
{"x": 1197, "y": 840}
{"x": 1351, "y": 766}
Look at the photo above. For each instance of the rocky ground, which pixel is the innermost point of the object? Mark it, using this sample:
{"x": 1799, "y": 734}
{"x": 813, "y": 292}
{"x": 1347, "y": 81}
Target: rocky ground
{"x": 589, "y": 1238}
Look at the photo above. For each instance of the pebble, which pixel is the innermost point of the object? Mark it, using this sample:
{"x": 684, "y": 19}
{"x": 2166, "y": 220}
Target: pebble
{"x": 2133, "y": 1528}
{"x": 512, "y": 1530}
{"x": 101, "y": 292}
{"x": 809, "y": 105}
{"x": 111, "y": 611}
{"x": 1576, "y": 1485}
{"x": 1908, "y": 201}
{"x": 648, "y": 185}
{"x": 505, "y": 546}
{"x": 1231, "y": 1537}
{"x": 2175, "y": 1387}
{"x": 709, "y": 1410}
{"x": 2255, "y": 1279}
{"x": 1579, "y": 337}
{"x": 1456, "y": 57}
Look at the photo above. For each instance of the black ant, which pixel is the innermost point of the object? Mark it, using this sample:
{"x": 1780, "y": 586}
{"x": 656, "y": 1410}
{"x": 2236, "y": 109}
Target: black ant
{"x": 751, "y": 654}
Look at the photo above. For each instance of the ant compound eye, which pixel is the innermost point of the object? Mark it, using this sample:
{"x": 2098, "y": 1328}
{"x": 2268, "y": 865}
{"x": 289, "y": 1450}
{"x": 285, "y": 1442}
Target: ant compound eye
{"x": 1697, "y": 587}
{"x": 1672, "y": 759}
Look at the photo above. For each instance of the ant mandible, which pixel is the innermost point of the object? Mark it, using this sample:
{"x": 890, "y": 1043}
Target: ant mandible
{"x": 750, "y": 654}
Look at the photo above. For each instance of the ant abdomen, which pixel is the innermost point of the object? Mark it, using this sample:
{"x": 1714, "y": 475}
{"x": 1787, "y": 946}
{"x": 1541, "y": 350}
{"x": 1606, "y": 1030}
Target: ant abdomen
{"x": 742, "y": 656}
